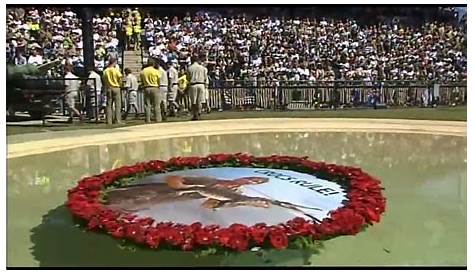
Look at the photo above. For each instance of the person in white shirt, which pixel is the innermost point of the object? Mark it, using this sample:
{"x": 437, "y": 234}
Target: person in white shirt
{"x": 94, "y": 86}
{"x": 99, "y": 63}
{"x": 20, "y": 59}
{"x": 172, "y": 74}
{"x": 35, "y": 58}
{"x": 72, "y": 84}
{"x": 131, "y": 84}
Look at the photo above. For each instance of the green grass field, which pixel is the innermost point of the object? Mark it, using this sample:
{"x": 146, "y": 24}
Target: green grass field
{"x": 440, "y": 113}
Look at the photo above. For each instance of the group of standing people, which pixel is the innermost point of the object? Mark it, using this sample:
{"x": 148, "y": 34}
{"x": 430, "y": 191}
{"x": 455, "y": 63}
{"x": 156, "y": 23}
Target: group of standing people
{"x": 163, "y": 88}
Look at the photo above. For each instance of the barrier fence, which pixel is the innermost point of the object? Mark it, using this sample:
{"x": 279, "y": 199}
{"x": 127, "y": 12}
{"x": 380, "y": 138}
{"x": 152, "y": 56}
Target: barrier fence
{"x": 301, "y": 95}
{"x": 235, "y": 95}
{"x": 305, "y": 96}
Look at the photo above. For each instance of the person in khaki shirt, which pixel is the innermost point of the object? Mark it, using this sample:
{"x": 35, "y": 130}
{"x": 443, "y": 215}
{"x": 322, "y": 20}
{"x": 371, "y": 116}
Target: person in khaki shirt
{"x": 163, "y": 88}
{"x": 150, "y": 78}
{"x": 131, "y": 86}
{"x": 197, "y": 78}
{"x": 112, "y": 79}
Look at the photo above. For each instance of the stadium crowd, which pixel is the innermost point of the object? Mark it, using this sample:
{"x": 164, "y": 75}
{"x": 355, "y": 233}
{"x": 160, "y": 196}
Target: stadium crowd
{"x": 309, "y": 49}
{"x": 252, "y": 49}
{"x": 37, "y": 36}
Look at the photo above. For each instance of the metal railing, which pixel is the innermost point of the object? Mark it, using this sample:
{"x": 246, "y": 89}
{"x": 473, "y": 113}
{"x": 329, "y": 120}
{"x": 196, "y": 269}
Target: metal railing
{"x": 333, "y": 94}
{"x": 313, "y": 95}
{"x": 233, "y": 95}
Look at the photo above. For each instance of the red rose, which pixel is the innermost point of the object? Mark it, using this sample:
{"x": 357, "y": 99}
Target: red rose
{"x": 211, "y": 228}
{"x": 259, "y": 234}
{"x": 139, "y": 237}
{"x": 203, "y": 237}
{"x": 146, "y": 221}
{"x": 174, "y": 237}
{"x": 303, "y": 229}
{"x": 220, "y": 158}
{"x": 129, "y": 218}
{"x": 93, "y": 224}
{"x": 278, "y": 239}
{"x": 239, "y": 242}
{"x": 93, "y": 194}
{"x": 244, "y": 158}
{"x": 152, "y": 241}
{"x": 346, "y": 221}
{"x": 152, "y": 237}
{"x": 118, "y": 233}
{"x": 239, "y": 229}
{"x": 131, "y": 230}
{"x": 110, "y": 225}
{"x": 195, "y": 226}
{"x": 223, "y": 236}
{"x": 154, "y": 165}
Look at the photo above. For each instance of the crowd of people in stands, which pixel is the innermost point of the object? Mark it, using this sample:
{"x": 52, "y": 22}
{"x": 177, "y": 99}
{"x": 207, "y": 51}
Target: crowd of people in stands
{"x": 37, "y": 36}
{"x": 293, "y": 49}
{"x": 252, "y": 49}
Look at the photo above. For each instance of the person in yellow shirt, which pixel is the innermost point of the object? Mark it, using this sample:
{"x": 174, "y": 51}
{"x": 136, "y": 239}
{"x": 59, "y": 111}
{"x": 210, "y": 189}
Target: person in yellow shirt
{"x": 137, "y": 31}
{"x": 137, "y": 16}
{"x": 112, "y": 80}
{"x": 35, "y": 26}
{"x": 129, "y": 34}
{"x": 150, "y": 79}
{"x": 182, "y": 97}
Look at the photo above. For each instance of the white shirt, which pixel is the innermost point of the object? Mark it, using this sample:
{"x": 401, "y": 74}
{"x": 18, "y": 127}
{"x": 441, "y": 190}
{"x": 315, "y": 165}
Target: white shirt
{"x": 99, "y": 64}
{"x": 73, "y": 84}
{"x": 37, "y": 60}
{"x": 98, "y": 81}
{"x": 131, "y": 82}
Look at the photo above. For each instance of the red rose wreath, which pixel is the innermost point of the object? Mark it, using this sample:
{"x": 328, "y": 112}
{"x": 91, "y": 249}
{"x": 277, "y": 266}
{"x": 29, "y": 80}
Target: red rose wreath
{"x": 364, "y": 206}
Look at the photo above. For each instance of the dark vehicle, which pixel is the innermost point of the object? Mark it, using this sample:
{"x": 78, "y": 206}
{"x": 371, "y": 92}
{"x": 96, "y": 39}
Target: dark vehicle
{"x": 28, "y": 89}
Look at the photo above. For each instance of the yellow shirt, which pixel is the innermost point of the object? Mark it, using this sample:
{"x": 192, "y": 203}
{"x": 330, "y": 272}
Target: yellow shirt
{"x": 112, "y": 77}
{"x": 150, "y": 77}
{"x": 100, "y": 51}
{"x": 137, "y": 29}
{"x": 129, "y": 30}
{"x": 182, "y": 82}
{"x": 35, "y": 27}
{"x": 137, "y": 15}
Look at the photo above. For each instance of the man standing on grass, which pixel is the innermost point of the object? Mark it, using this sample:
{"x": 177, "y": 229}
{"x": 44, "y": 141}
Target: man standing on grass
{"x": 94, "y": 90}
{"x": 131, "y": 85}
{"x": 163, "y": 88}
{"x": 150, "y": 78}
{"x": 197, "y": 78}
{"x": 112, "y": 81}
{"x": 72, "y": 84}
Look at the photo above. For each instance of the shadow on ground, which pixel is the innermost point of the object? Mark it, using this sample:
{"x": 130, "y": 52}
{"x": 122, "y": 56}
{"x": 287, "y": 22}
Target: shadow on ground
{"x": 57, "y": 242}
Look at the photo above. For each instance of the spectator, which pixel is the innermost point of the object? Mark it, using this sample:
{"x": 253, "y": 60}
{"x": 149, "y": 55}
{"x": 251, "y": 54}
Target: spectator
{"x": 20, "y": 59}
{"x": 243, "y": 47}
{"x": 35, "y": 58}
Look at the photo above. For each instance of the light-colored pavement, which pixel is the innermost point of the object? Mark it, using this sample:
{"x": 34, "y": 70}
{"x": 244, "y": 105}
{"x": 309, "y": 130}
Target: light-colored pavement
{"x": 35, "y": 143}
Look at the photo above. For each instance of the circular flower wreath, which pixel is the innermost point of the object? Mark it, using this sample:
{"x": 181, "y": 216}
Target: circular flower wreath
{"x": 363, "y": 207}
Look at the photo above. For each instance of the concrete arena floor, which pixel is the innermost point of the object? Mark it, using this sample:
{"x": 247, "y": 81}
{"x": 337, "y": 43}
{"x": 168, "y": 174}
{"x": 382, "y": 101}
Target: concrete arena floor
{"x": 36, "y": 143}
